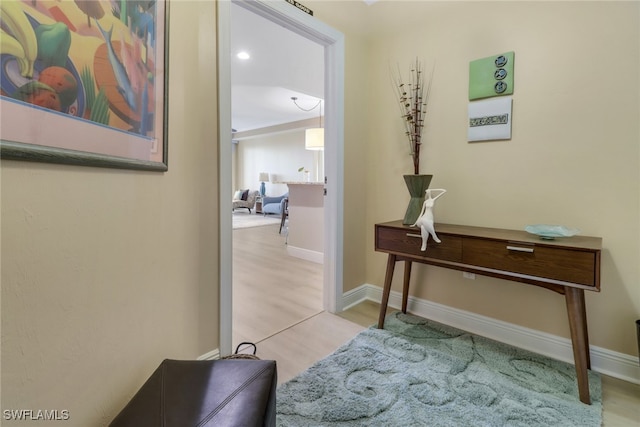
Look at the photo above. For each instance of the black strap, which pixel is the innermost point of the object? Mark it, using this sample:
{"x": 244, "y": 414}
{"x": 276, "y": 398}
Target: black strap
{"x": 248, "y": 344}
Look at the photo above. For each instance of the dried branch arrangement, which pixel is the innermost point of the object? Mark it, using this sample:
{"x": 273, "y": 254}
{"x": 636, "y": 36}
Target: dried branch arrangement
{"x": 413, "y": 107}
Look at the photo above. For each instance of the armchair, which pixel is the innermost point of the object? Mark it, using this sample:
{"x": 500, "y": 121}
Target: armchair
{"x": 274, "y": 205}
{"x": 247, "y": 204}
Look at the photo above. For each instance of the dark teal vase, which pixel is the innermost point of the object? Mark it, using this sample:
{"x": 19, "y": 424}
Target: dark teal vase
{"x": 417, "y": 185}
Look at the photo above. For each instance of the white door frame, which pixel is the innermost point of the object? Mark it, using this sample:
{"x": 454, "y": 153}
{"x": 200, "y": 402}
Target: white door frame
{"x": 285, "y": 14}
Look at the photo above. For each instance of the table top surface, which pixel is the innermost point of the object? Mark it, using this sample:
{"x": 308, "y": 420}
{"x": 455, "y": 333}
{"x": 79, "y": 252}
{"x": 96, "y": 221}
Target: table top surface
{"x": 578, "y": 241}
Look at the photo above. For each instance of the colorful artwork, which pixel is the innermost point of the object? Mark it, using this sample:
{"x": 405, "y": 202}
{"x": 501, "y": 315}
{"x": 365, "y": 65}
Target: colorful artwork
{"x": 492, "y": 76}
{"x": 84, "y": 82}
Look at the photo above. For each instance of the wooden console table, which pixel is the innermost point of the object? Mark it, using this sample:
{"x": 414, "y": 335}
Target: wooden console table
{"x": 568, "y": 266}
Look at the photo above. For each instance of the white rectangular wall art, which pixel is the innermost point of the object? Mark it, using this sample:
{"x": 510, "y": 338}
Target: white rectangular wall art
{"x": 490, "y": 120}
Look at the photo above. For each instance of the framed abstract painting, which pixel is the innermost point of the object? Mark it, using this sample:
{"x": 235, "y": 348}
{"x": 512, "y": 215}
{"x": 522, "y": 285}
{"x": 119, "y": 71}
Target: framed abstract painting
{"x": 84, "y": 82}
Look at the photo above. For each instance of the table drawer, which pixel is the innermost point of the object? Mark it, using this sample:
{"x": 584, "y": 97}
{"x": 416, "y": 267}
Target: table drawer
{"x": 554, "y": 263}
{"x": 408, "y": 242}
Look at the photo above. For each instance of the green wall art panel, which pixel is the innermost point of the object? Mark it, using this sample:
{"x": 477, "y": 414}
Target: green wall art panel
{"x": 491, "y": 76}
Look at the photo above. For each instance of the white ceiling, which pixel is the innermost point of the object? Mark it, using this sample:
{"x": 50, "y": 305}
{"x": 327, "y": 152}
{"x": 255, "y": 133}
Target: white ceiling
{"x": 283, "y": 64}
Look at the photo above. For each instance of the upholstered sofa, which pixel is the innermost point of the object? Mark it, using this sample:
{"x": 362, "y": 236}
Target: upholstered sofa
{"x": 249, "y": 203}
{"x": 273, "y": 205}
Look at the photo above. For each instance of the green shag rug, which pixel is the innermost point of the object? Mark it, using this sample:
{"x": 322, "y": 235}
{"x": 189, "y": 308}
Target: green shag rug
{"x": 417, "y": 372}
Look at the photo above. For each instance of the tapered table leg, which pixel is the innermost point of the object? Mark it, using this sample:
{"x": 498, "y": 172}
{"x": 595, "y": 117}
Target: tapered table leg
{"x": 579, "y": 339}
{"x": 405, "y": 285}
{"x": 391, "y": 264}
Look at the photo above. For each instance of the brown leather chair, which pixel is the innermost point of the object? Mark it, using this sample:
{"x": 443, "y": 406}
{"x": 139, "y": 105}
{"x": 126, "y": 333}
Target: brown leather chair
{"x": 221, "y": 393}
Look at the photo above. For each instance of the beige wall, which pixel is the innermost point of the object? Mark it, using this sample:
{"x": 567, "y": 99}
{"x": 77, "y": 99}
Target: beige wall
{"x": 573, "y": 158}
{"x": 350, "y": 18}
{"x": 277, "y": 154}
{"x": 107, "y": 272}
{"x": 306, "y": 219}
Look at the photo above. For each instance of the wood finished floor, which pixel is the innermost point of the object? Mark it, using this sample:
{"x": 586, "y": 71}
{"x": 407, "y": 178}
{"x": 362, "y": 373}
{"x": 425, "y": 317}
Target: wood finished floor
{"x": 279, "y": 307}
{"x": 271, "y": 290}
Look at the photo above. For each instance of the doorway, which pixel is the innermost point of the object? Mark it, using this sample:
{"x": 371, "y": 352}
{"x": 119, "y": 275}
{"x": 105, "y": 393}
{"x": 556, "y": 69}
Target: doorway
{"x": 283, "y": 13}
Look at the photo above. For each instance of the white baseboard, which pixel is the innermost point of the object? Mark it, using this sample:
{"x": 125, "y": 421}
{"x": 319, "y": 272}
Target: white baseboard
{"x": 313, "y": 256}
{"x": 608, "y": 362}
{"x": 212, "y": 355}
